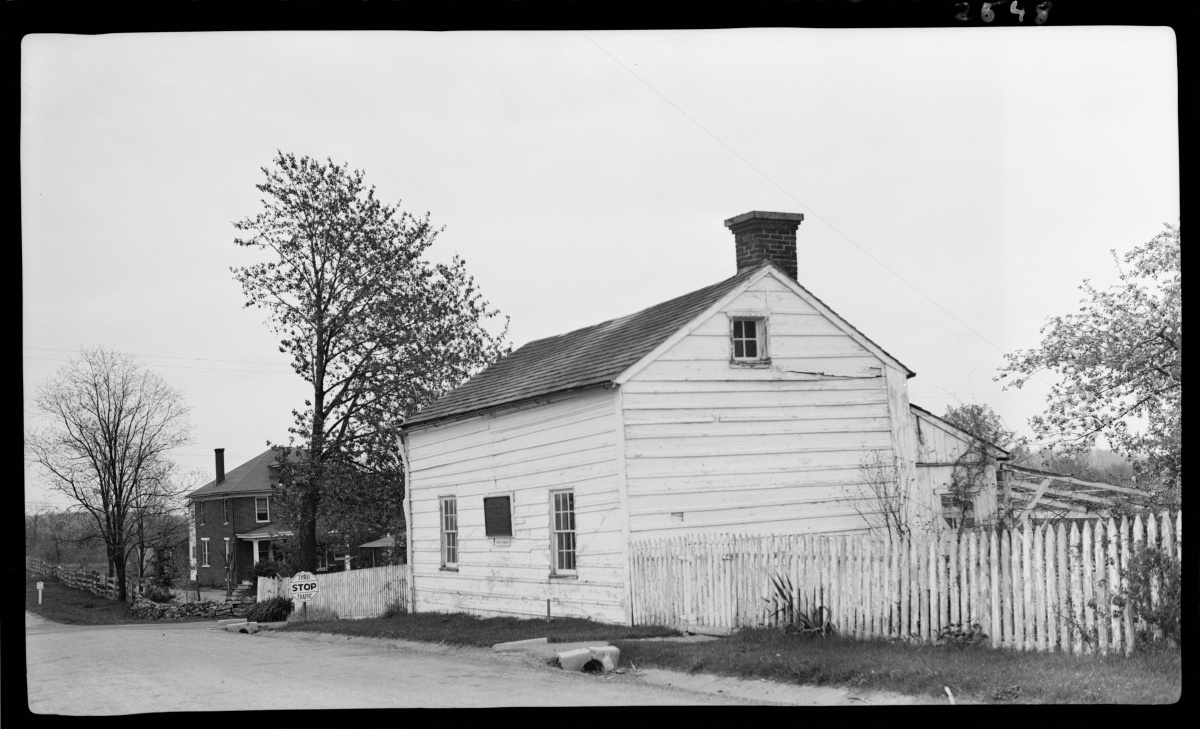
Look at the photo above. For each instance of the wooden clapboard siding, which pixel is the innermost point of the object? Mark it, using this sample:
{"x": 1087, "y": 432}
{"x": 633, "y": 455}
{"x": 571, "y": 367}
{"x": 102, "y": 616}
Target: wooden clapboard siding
{"x": 1044, "y": 587}
{"x": 938, "y": 446}
{"x": 754, "y": 450}
{"x": 565, "y": 442}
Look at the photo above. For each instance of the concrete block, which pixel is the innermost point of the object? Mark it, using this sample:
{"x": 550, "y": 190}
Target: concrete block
{"x": 518, "y": 645}
{"x": 250, "y": 628}
{"x": 231, "y": 621}
{"x": 574, "y": 660}
{"x": 608, "y": 655}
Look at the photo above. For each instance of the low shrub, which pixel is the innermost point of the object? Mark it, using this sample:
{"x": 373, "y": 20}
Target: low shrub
{"x": 272, "y": 610}
{"x": 159, "y": 594}
{"x": 393, "y": 609}
{"x": 957, "y": 635}
{"x": 1155, "y": 595}
{"x": 266, "y": 568}
{"x": 796, "y": 620}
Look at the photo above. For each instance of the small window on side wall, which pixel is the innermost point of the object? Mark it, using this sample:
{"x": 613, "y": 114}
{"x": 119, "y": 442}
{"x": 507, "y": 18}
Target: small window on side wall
{"x": 958, "y": 511}
{"x": 262, "y": 508}
{"x": 748, "y": 339}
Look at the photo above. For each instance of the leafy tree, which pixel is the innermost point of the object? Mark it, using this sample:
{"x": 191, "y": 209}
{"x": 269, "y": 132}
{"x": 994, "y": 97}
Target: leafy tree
{"x": 111, "y": 426}
{"x": 376, "y": 330}
{"x": 1119, "y": 366}
{"x": 974, "y": 467}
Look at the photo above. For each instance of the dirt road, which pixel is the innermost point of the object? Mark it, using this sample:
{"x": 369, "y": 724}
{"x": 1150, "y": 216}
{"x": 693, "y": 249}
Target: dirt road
{"x": 121, "y": 669}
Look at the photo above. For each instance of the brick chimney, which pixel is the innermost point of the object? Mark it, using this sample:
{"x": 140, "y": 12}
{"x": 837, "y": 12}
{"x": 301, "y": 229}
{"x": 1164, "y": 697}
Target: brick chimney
{"x": 759, "y": 236}
{"x": 220, "y": 454}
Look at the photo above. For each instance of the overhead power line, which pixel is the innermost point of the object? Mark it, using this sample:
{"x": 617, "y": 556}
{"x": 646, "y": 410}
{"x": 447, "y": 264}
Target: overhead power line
{"x": 787, "y": 192}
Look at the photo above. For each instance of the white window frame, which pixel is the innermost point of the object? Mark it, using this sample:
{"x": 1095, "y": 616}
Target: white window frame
{"x": 204, "y": 552}
{"x": 225, "y": 510}
{"x": 763, "y": 356}
{"x": 259, "y": 555}
{"x": 559, "y": 535}
{"x": 448, "y": 534}
{"x": 266, "y": 499}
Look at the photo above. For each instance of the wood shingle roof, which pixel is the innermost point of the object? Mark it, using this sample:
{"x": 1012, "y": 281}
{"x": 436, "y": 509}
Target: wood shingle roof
{"x": 252, "y": 476}
{"x": 586, "y": 357}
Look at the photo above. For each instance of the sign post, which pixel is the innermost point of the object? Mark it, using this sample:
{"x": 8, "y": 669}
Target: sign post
{"x": 40, "y": 586}
{"x": 304, "y": 589}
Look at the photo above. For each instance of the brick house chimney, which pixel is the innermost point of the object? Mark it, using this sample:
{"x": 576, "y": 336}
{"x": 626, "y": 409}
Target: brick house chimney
{"x": 220, "y": 454}
{"x": 759, "y": 236}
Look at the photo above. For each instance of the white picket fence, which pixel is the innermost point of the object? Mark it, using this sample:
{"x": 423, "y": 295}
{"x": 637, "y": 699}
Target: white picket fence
{"x": 361, "y": 593}
{"x": 1032, "y": 588}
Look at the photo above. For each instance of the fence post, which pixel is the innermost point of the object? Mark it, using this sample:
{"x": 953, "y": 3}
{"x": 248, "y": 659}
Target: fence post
{"x": 1152, "y": 544}
{"x": 1074, "y": 569}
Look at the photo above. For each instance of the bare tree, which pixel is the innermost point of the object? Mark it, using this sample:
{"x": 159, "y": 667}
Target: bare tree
{"x": 157, "y": 510}
{"x": 885, "y": 498}
{"x": 111, "y": 424}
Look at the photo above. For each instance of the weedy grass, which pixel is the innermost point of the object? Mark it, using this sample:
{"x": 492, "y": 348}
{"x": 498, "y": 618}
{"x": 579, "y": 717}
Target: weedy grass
{"x": 64, "y": 604}
{"x": 977, "y": 672}
{"x": 464, "y": 629}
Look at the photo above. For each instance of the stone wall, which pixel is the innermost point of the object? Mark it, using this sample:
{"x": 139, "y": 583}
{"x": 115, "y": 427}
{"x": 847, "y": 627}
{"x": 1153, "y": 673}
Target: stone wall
{"x": 234, "y": 607}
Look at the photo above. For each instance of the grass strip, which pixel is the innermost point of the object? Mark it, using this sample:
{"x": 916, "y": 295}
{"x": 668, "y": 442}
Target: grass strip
{"x": 979, "y": 673}
{"x": 64, "y": 604}
{"x": 464, "y": 629}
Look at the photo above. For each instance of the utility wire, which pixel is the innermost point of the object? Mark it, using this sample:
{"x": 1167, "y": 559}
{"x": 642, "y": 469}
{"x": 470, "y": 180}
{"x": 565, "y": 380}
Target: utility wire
{"x": 179, "y": 367}
{"x": 785, "y": 191}
{"x": 168, "y": 356}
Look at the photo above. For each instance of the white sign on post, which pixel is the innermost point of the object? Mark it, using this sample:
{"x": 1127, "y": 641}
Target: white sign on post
{"x": 304, "y": 587}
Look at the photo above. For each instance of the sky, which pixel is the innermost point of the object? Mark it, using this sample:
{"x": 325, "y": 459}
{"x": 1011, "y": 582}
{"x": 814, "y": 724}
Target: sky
{"x": 957, "y": 184}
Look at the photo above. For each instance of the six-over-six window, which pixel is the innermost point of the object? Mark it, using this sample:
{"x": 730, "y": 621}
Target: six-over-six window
{"x": 749, "y": 339}
{"x": 562, "y": 531}
{"x": 449, "y": 513}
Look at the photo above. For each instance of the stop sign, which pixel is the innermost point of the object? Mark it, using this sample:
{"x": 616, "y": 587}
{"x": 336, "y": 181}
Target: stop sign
{"x": 304, "y": 586}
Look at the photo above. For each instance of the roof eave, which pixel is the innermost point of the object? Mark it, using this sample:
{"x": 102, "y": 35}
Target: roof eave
{"x": 409, "y": 426}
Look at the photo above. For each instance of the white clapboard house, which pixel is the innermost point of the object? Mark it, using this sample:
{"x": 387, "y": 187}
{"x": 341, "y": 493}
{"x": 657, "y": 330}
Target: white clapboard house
{"x": 748, "y": 406}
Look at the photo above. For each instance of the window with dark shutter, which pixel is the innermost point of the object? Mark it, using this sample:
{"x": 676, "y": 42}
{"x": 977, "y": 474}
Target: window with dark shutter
{"x": 497, "y": 516}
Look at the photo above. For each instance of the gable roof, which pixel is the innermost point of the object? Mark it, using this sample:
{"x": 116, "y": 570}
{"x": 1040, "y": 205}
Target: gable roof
{"x": 252, "y": 476}
{"x": 587, "y": 357}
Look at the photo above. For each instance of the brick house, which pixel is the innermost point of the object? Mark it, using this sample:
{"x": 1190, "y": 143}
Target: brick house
{"x": 231, "y": 519}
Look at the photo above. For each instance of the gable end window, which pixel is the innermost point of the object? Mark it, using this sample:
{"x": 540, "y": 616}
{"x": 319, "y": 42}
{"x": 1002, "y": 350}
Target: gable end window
{"x": 449, "y": 514}
{"x": 225, "y": 510}
{"x": 262, "y": 510}
{"x": 748, "y": 339}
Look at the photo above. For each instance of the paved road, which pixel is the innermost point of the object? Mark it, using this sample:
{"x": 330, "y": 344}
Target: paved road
{"x": 122, "y": 669}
